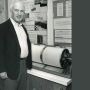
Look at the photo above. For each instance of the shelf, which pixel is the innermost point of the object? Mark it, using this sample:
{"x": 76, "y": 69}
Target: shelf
{"x": 51, "y": 77}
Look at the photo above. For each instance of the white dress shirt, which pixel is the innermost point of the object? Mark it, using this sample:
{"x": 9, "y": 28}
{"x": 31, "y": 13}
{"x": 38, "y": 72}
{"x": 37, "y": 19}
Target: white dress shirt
{"x": 22, "y": 38}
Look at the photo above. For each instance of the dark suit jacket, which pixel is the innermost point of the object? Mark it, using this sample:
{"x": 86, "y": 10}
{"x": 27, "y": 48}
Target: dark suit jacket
{"x": 10, "y": 50}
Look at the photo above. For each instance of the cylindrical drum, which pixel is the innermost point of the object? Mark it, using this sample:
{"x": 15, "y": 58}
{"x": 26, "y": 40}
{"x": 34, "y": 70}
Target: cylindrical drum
{"x": 36, "y": 52}
{"x": 53, "y": 56}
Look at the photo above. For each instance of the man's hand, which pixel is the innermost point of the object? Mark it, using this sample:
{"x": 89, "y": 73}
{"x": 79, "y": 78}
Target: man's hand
{"x": 3, "y": 75}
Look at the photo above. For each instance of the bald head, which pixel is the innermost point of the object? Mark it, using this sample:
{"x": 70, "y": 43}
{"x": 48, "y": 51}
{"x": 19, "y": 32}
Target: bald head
{"x": 16, "y": 3}
{"x": 17, "y": 11}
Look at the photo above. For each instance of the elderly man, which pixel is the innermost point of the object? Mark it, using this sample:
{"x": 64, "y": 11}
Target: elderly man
{"x": 15, "y": 49}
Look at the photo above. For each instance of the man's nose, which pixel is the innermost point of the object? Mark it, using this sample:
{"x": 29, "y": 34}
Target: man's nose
{"x": 19, "y": 12}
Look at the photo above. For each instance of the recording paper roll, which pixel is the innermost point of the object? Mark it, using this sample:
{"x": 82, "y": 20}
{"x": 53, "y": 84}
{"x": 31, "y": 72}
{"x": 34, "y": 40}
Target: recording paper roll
{"x": 52, "y": 56}
{"x": 36, "y": 52}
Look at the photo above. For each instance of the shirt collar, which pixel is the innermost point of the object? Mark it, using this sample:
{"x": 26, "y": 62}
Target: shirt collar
{"x": 15, "y": 23}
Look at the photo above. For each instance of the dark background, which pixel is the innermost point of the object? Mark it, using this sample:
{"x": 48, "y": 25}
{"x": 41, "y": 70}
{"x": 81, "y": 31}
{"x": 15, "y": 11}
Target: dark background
{"x": 81, "y": 45}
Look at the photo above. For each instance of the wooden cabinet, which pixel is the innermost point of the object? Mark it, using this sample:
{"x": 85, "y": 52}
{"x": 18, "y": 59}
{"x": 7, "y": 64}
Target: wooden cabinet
{"x": 36, "y": 83}
{"x": 41, "y": 80}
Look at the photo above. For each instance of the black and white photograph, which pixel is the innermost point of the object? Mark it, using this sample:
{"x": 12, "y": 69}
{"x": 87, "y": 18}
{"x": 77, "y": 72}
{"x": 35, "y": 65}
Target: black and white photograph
{"x": 35, "y": 44}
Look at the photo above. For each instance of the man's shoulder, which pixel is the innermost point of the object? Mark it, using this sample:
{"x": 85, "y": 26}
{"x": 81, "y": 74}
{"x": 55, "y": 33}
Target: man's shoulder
{"x": 5, "y": 23}
{"x": 4, "y": 26}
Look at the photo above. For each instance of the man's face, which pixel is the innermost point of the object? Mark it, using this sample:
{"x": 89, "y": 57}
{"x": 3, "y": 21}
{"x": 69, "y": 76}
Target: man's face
{"x": 18, "y": 12}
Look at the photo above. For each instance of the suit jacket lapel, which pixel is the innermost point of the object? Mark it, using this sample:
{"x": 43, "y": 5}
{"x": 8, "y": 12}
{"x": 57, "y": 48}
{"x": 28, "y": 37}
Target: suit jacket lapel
{"x": 11, "y": 27}
{"x": 12, "y": 31}
{"x": 25, "y": 29}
